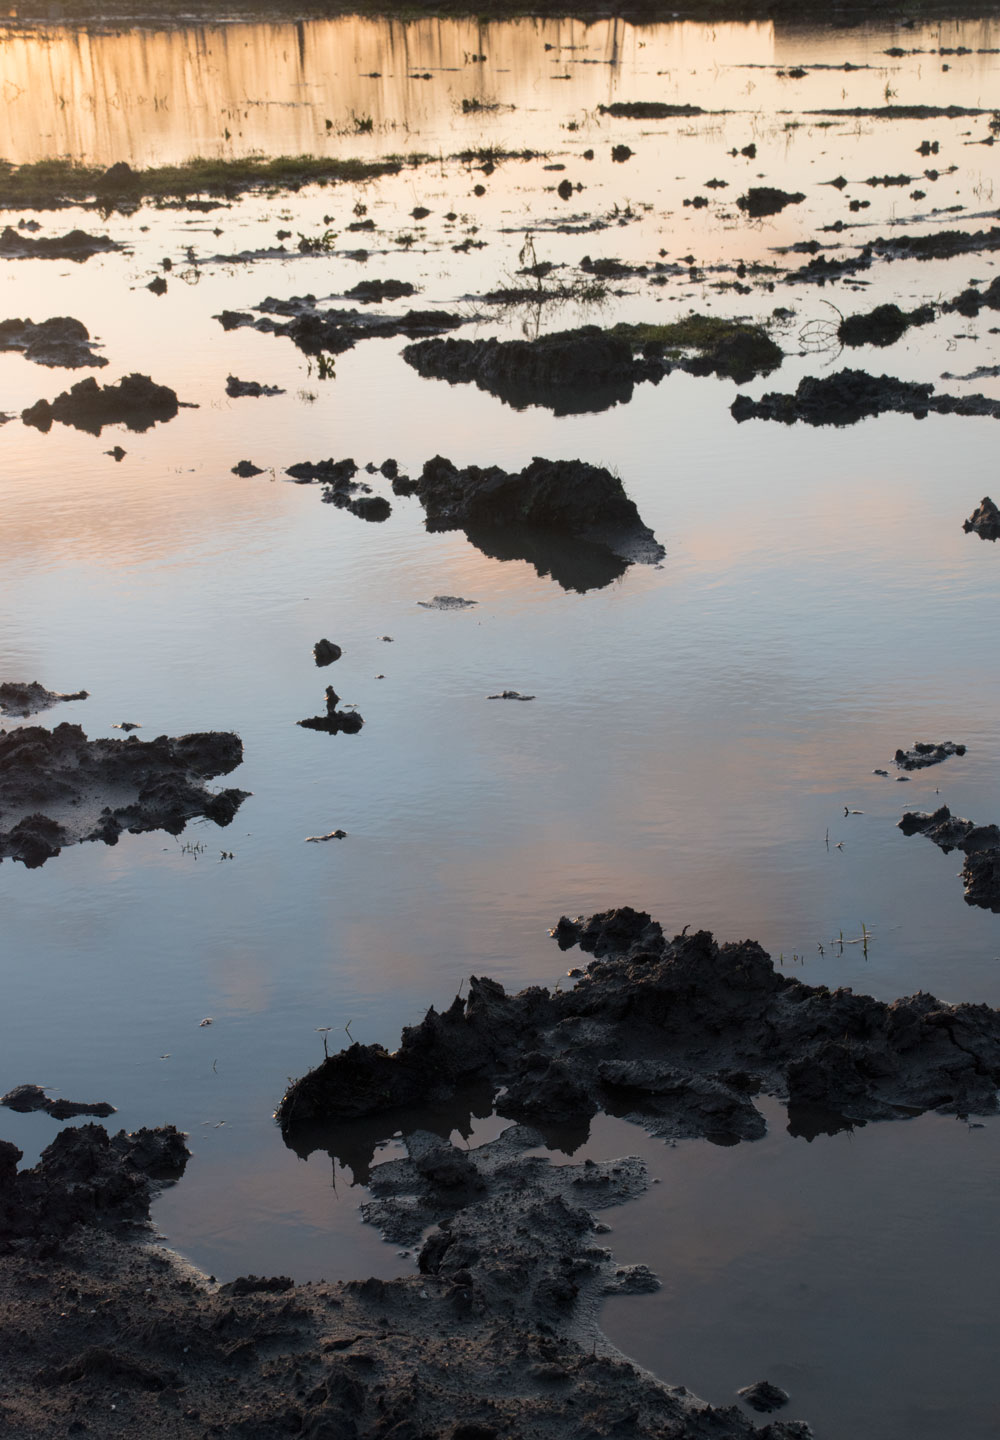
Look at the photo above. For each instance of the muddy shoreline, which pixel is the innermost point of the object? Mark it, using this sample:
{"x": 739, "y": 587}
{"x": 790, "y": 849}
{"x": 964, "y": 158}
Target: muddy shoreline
{"x": 497, "y": 1333}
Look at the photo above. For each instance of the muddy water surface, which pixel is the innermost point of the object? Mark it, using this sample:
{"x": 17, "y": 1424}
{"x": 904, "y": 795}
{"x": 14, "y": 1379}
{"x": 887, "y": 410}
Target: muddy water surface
{"x": 699, "y": 728}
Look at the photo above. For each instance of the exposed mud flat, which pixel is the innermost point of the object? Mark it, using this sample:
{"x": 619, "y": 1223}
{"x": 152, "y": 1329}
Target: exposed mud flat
{"x": 495, "y": 1336}
{"x": 58, "y": 788}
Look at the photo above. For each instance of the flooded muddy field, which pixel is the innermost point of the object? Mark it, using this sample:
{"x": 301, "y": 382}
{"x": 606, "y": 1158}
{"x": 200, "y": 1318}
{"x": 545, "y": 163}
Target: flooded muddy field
{"x": 646, "y": 375}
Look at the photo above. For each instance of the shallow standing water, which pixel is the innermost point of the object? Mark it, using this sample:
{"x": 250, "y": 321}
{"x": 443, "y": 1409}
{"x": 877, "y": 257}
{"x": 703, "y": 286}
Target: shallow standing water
{"x": 699, "y": 728}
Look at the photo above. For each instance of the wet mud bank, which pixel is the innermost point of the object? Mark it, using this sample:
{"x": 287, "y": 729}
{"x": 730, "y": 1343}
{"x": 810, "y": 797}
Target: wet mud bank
{"x": 677, "y": 1034}
{"x": 493, "y": 1339}
{"x": 496, "y": 1335}
{"x": 58, "y": 788}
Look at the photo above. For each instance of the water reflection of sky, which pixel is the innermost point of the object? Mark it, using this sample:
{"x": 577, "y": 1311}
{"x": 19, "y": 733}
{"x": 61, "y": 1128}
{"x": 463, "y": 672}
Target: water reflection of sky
{"x": 698, "y": 728}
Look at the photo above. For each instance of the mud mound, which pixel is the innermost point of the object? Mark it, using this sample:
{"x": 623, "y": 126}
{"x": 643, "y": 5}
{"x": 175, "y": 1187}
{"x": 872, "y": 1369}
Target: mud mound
{"x": 924, "y": 754}
{"x": 571, "y": 372}
{"x": 677, "y": 1035}
{"x": 75, "y": 245}
{"x": 18, "y": 697}
{"x": 135, "y": 402}
{"x": 882, "y": 326}
{"x": 853, "y": 395}
{"x": 319, "y": 331}
{"x": 980, "y": 844}
{"x": 59, "y": 341}
{"x": 560, "y": 515}
{"x": 763, "y": 200}
{"x": 985, "y": 520}
{"x": 58, "y": 788}
{"x": 86, "y": 1177}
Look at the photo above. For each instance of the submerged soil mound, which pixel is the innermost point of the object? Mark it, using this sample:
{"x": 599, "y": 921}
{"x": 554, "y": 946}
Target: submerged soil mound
{"x": 135, "y": 402}
{"x": 678, "y": 1035}
{"x": 58, "y": 788}
{"x": 563, "y": 516}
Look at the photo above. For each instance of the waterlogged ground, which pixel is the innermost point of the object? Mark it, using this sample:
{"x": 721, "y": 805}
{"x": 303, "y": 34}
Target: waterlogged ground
{"x": 704, "y": 734}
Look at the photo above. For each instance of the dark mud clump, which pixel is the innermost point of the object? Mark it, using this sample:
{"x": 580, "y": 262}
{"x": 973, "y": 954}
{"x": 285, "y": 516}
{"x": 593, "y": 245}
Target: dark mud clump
{"x": 882, "y": 326}
{"x": 235, "y": 388}
{"x": 985, "y": 520}
{"x": 980, "y": 844}
{"x": 648, "y": 110}
{"x": 86, "y": 1177}
{"x": 761, "y": 200}
{"x": 27, "y": 1098}
{"x": 341, "y": 489}
{"x": 76, "y": 245}
{"x": 20, "y": 698}
{"x": 135, "y": 402}
{"x": 971, "y": 301}
{"x": 570, "y": 372}
{"x": 941, "y": 245}
{"x": 852, "y": 395}
{"x": 337, "y": 473}
{"x": 678, "y": 1035}
{"x": 560, "y": 515}
{"x": 590, "y": 369}
{"x": 334, "y": 722}
{"x": 330, "y": 332}
{"x": 325, "y": 652}
{"x": 60, "y": 341}
{"x": 58, "y": 788}
{"x": 375, "y": 291}
{"x": 924, "y": 754}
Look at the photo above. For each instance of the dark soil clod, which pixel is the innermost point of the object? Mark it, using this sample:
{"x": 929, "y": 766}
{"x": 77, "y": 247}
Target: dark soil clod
{"x": 985, "y": 520}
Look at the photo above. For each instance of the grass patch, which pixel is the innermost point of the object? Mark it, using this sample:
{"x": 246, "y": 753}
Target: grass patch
{"x": 53, "y": 182}
{"x": 727, "y": 347}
